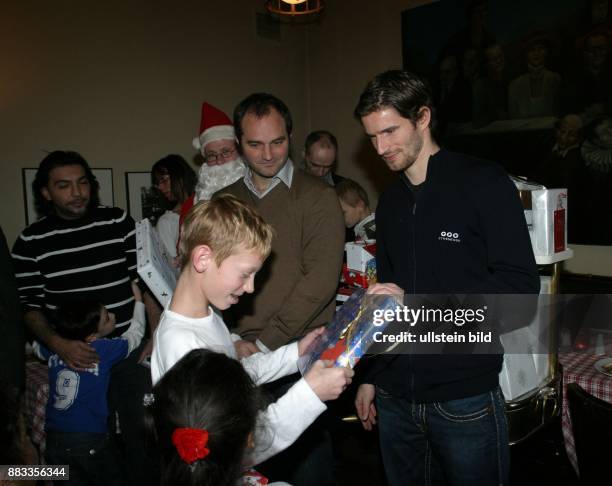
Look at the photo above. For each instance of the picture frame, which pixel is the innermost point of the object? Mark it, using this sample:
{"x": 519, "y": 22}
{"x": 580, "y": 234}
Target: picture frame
{"x": 104, "y": 176}
{"x": 142, "y": 200}
{"x": 527, "y": 85}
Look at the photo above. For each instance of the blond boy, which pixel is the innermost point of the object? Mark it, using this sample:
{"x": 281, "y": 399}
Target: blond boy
{"x": 222, "y": 246}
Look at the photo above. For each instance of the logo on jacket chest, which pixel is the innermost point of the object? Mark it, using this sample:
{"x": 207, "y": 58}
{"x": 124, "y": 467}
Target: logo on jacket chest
{"x": 451, "y": 236}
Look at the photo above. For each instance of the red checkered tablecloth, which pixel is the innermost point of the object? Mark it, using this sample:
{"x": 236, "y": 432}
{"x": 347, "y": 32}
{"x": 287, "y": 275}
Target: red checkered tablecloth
{"x": 580, "y": 368}
{"x": 36, "y": 395}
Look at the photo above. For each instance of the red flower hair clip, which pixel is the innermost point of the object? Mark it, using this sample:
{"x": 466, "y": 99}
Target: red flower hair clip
{"x": 190, "y": 443}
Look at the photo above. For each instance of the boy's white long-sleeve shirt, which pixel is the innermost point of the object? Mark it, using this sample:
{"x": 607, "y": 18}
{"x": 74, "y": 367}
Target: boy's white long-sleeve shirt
{"x": 284, "y": 420}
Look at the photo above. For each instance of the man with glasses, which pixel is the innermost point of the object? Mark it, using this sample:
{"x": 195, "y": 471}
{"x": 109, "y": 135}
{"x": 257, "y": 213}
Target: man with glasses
{"x": 222, "y": 163}
{"x": 320, "y": 153}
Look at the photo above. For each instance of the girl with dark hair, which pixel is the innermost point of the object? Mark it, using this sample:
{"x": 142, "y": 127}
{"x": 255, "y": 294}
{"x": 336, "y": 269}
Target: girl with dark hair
{"x": 203, "y": 413}
{"x": 175, "y": 180}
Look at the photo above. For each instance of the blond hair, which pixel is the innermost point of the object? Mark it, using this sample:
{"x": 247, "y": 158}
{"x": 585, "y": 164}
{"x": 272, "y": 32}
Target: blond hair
{"x": 224, "y": 223}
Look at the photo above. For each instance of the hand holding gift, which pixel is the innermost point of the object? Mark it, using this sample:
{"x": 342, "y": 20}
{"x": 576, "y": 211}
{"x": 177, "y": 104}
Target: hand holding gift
{"x": 346, "y": 339}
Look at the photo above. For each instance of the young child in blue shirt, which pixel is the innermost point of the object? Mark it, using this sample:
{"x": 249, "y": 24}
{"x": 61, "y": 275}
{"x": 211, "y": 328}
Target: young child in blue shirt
{"x": 76, "y": 420}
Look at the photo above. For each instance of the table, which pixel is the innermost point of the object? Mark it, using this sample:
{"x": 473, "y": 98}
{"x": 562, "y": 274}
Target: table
{"x": 36, "y": 396}
{"x": 579, "y": 368}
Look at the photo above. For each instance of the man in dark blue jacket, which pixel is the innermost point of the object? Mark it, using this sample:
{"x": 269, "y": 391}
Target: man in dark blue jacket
{"x": 451, "y": 224}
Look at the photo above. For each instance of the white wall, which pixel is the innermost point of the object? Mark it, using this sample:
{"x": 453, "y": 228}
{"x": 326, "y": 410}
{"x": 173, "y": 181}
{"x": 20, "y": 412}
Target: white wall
{"x": 122, "y": 82}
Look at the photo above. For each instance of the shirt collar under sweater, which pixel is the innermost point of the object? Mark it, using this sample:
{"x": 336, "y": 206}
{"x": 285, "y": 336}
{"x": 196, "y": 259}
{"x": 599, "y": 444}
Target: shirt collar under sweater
{"x": 284, "y": 175}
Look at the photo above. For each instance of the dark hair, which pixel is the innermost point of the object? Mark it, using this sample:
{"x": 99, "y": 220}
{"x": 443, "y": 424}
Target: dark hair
{"x": 210, "y": 391}
{"x": 351, "y": 193}
{"x": 61, "y": 158}
{"x": 77, "y": 319}
{"x": 260, "y": 105}
{"x": 183, "y": 178}
{"x": 402, "y": 90}
{"x": 317, "y": 136}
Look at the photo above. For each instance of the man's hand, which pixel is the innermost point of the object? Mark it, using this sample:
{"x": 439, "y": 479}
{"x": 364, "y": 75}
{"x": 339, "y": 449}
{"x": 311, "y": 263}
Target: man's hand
{"x": 309, "y": 339}
{"x": 326, "y": 381}
{"x": 364, "y": 404}
{"x": 146, "y": 351}
{"x": 385, "y": 289}
{"x": 78, "y": 355}
{"x": 245, "y": 348}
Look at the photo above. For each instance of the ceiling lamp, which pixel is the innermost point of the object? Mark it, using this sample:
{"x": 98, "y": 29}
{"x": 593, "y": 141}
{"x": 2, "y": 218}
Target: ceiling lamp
{"x": 294, "y": 8}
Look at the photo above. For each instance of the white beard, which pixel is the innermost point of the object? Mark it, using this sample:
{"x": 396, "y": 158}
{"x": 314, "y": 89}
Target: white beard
{"x": 213, "y": 178}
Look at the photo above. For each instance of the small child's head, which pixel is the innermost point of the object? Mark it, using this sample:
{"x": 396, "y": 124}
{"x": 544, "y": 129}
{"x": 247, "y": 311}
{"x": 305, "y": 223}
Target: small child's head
{"x": 203, "y": 416}
{"x": 83, "y": 320}
{"x": 225, "y": 242}
{"x": 354, "y": 202}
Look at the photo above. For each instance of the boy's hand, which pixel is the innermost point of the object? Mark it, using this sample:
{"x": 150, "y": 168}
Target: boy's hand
{"x": 147, "y": 350}
{"x": 245, "y": 348}
{"x": 78, "y": 355}
{"x": 364, "y": 403}
{"x": 136, "y": 291}
{"x": 326, "y": 381}
{"x": 309, "y": 339}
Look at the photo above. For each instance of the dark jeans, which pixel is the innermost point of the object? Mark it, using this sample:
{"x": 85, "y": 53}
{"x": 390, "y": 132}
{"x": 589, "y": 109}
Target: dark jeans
{"x": 92, "y": 458}
{"x": 458, "y": 442}
{"x": 129, "y": 382}
{"x": 309, "y": 461}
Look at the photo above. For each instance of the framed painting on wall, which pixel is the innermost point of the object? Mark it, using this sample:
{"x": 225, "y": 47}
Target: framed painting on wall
{"x": 143, "y": 201}
{"x": 527, "y": 85}
{"x": 103, "y": 176}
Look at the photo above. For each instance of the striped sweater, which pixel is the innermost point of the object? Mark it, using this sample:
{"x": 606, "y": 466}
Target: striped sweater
{"x": 56, "y": 260}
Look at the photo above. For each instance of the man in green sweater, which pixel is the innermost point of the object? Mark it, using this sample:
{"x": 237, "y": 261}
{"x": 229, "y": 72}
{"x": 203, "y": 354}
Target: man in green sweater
{"x": 295, "y": 290}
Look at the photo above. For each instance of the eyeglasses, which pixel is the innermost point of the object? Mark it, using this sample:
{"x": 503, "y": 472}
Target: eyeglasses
{"x": 225, "y": 153}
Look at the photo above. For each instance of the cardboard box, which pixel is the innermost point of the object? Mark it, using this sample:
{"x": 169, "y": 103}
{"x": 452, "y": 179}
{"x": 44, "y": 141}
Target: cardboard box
{"x": 358, "y": 254}
{"x": 549, "y": 221}
{"x": 153, "y": 263}
{"x": 545, "y": 214}
{"x": 525, "y": 189}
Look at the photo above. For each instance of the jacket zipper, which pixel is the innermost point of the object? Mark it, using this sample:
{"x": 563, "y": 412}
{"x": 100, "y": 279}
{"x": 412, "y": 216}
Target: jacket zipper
{"x": 414, "y": 263}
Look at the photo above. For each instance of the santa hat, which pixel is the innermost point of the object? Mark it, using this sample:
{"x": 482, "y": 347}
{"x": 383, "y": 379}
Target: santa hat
{"x": 215, "y": 125}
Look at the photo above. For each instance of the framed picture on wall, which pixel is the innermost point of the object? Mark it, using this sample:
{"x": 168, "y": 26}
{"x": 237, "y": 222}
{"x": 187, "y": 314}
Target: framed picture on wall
{"x": 527, "y": 85}
{"x": 103, "y": 176}
{"x": 143, "y": 201}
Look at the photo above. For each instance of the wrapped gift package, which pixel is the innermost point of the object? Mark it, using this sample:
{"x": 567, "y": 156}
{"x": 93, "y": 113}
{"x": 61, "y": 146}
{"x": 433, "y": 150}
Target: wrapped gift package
{"x": 359, "y": 279}
{"x": 350, "y": 333}
{"x": 153, "y": 263}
